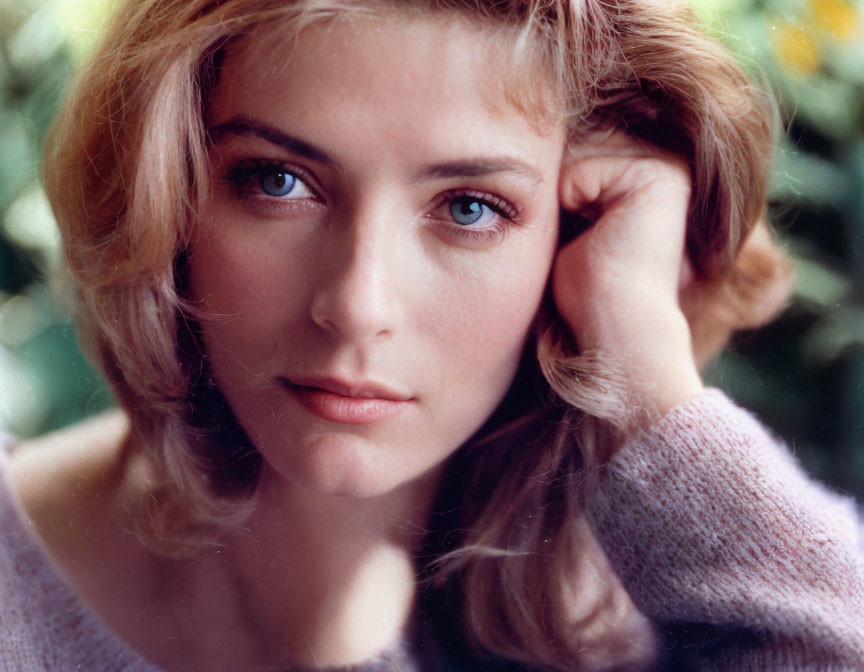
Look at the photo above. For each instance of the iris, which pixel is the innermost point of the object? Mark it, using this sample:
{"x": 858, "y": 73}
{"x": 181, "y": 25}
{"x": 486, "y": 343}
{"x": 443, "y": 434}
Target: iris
{"x": 277, "y": 183}
{"x": 466, "y": 210}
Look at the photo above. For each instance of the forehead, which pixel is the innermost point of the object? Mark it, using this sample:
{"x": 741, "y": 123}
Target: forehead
{"x": 443, "y": 54}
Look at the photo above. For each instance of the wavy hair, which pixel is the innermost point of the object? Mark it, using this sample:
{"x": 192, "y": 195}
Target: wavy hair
{"x": 126, "y": 166}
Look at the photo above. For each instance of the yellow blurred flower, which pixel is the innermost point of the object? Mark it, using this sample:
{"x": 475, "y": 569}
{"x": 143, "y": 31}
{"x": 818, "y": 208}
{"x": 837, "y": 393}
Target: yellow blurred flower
{"x": 796, "y": 49}
{"x": 798, "y": 46}
{"x": 837, "y": 17}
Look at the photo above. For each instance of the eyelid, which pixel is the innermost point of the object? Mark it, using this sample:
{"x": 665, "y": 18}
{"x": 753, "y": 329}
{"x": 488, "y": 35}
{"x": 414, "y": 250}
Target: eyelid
{"x": 500, "y": 206}
{"x": 241, "y": 172}
{"x": 505, "y": 216}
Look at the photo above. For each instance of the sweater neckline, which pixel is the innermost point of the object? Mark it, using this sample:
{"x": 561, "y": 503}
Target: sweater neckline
{"x": 103, "y": 645}
{"x": 43, "y": 575}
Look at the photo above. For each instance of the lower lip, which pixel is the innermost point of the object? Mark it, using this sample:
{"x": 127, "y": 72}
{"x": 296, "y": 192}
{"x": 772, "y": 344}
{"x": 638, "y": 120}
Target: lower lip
{"x": 347, "y": 410}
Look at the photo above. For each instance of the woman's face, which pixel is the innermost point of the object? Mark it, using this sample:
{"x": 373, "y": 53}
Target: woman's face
{"x": 376, "y": 245}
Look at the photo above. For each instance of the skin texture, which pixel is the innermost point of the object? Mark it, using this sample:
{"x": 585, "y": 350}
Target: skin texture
{"x": 620, "y": 286}
{"x": 362, "y": 274}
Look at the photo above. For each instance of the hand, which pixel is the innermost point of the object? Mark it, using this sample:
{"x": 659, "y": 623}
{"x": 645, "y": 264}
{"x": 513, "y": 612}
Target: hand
{"x": 618, "y": 285}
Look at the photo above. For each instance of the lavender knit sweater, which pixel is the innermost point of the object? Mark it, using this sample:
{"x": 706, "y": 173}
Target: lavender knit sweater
{"x": 713, "y": 529}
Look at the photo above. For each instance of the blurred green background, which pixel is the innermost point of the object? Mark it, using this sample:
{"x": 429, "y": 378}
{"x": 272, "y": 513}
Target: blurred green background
{"x": 804, "y": 375}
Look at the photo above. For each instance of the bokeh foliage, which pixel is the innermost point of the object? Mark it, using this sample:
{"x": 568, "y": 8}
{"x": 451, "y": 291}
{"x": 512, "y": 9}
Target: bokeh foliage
{"x": 44, "y": 381}
{"x": 804, "y": 375}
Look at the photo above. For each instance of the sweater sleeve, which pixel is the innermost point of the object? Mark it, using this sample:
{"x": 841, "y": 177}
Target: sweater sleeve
{"x": 718, "y": 536}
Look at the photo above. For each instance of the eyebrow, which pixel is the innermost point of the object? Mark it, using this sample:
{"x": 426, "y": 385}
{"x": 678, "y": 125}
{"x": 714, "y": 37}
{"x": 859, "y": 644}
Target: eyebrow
{"x": 481, "y": 168}
{"x": 244, "y": 126}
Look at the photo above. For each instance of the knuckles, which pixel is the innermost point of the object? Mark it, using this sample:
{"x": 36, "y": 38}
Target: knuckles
{"x": 631, "y": 201}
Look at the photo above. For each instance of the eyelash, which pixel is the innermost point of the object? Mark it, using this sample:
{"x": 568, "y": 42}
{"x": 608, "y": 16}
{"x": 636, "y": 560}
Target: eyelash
{"x": 242, "y": 179}
{"x": 505, "y": 214}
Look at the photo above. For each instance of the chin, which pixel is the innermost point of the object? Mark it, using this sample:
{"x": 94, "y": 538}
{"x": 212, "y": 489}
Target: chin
{"x": 344, "y": 466}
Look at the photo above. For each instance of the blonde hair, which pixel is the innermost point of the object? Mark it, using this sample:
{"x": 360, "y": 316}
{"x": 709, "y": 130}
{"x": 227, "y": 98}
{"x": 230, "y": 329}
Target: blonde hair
{"x": 127, "y": 164}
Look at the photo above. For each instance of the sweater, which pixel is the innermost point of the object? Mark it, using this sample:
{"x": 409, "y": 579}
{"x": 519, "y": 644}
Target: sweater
{"x": 743, "y": 563}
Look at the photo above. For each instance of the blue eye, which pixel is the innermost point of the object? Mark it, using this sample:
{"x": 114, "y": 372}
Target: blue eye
{"x": 467, "y": 210}
{"x": 277, "y": 183}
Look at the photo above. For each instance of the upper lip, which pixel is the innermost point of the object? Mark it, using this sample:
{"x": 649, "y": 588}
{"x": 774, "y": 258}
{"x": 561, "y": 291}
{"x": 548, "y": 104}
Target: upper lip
{"x": 362, "y": 389}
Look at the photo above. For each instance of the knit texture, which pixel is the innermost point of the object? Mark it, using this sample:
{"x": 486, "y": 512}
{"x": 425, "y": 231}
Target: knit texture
{"x": 714, "y": 530}
{"x": 43, "y": 625}
{"x": 719, "y": 536}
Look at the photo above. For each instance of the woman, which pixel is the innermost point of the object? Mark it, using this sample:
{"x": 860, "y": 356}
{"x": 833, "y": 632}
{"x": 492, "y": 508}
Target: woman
{"x": 324, "y": 251}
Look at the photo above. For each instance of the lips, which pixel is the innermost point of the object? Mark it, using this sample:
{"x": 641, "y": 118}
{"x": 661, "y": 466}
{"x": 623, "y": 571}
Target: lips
{"x": 357, "y": 390}
{"x": 339, "y": 401}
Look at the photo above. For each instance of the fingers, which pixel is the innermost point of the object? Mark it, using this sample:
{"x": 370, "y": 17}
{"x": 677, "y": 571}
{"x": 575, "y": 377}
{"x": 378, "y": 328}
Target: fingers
{"x": 618, "y": 283}
{"x": 638, "y": 209}
{"x": 633, "y": 201}
{"x": 603, "y": 166}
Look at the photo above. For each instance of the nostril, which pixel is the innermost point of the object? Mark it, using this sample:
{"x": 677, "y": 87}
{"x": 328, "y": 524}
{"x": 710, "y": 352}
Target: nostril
{"x": 324, "y": 322}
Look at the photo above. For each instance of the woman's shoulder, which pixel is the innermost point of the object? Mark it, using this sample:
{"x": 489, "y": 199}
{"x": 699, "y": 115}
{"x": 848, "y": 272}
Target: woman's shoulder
{"x": 56, "y": 464}
{"x": 63, "y": 479}
{"x": 71, "y": 489}
{"x": 63, "y": 553}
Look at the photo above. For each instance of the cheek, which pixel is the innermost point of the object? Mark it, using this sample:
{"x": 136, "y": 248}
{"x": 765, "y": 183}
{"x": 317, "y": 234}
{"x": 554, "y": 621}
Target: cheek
{"x": 247, "y": 285}
{"x": 249, "y": 296}
{"x": 482, "y": 320}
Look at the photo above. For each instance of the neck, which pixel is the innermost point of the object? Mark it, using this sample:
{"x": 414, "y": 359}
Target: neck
{"x": 330, "y": 579}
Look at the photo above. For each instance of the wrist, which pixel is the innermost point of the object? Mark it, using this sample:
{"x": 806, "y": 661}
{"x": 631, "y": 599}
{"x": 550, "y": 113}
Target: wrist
{"x": 652, "y": 345}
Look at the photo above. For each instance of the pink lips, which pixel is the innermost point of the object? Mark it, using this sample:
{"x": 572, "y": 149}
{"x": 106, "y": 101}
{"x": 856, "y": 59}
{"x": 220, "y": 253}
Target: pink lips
{"x": 348, "y": 403}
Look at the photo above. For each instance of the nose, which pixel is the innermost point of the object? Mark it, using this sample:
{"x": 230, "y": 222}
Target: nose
{"x": 356, "y": 295}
